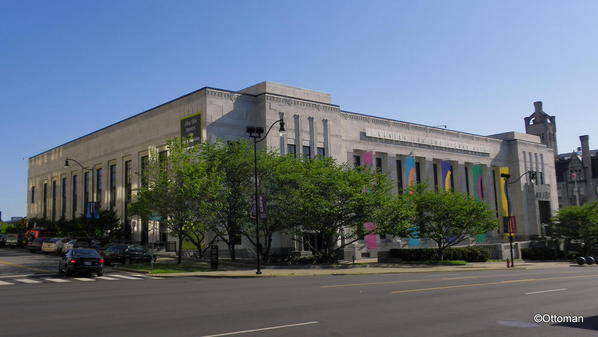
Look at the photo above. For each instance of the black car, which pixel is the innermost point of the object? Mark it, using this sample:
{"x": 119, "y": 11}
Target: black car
{"x": 81, "y": 261}
{"x": 127, "y": 254}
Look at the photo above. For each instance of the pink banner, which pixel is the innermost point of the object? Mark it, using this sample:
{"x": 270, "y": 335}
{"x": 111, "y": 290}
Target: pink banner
{"x": 370, "y": 239}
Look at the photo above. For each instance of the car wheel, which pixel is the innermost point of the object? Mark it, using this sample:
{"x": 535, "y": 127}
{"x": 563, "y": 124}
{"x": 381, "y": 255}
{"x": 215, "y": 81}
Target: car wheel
{"x": 60, "y": 271}
{"x": 100, "y": 273}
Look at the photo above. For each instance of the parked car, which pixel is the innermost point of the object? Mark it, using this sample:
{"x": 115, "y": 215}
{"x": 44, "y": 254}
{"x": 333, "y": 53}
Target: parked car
{"x": 81, "y": 243}
{"x": 127, "y": 254}
{"x": 81, "y": 261}
{"x": 54, "y": 245}
{"x": 14, "y": 240}
{"x": 36, "y": 245}
{"x": 2, "y": 240}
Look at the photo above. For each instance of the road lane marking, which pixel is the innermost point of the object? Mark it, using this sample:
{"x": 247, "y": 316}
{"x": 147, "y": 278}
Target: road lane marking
{"x": 84, "y": 279}
{"x": 489, "y": 283}
{"x": 400, "y": 281}
{"x": 13, "y": 276}
{"x": 2, "y": 283}
{"x": 26, "y": 280}
{"x": 106, "y": 278}
{"x": 125, "y": 277}
{"x": 22, "y": 266}
{"x": 546, "y": 291}
{"x": 446, "y": 279}
{"x": 57, "y": 280}
{"x": 262, "y": 329}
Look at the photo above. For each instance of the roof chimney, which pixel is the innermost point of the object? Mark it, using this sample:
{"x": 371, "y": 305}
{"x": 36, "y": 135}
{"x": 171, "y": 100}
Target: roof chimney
{"x": 538, "y": 106}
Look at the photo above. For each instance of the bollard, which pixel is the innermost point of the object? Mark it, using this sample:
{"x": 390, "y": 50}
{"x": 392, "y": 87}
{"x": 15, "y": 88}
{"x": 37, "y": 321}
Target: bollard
{"x": 580, "y": 260}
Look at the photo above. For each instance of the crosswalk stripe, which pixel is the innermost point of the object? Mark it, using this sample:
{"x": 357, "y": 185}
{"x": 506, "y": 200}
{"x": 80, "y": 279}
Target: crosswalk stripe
{"x": 84, "y": 279}
{"x": 126, "y": 277}
{"x": 26, "y": 280}
{"x": 2, "y": 283}
{"x": 106, "y": 278}
{"x": 57, "y": 280}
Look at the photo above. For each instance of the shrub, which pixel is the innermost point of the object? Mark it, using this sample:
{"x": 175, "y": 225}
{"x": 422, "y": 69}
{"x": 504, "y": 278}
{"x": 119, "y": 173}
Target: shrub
{"x": 541, "y": 253}
{"x": 469, "y": 254}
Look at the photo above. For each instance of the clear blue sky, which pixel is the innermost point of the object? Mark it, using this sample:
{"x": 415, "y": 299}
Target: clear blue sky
{"x": 71, "y": 67}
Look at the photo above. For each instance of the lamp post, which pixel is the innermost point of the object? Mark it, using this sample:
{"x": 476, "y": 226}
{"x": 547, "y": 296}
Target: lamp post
{"x": 256, "y": 133}
{"x": 510, "y": 220}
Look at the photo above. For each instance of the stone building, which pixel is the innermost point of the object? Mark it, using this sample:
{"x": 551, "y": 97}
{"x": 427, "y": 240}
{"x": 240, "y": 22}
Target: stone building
{"x": 577, "y": 175}
{"x": 112, "y": 157}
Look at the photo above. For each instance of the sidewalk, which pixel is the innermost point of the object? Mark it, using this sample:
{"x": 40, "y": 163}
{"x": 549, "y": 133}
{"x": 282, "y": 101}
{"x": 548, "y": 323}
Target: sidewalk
{"x": 368, "y": 269}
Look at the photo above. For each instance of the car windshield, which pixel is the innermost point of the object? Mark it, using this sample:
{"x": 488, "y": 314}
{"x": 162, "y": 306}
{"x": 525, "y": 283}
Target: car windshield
{"x": 84, "y": 253}
{"x": 136, "y": 249}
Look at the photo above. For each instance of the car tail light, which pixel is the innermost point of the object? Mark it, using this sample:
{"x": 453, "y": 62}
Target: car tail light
{"x": 73, "y": 261}
{"x": 101, "y": 261}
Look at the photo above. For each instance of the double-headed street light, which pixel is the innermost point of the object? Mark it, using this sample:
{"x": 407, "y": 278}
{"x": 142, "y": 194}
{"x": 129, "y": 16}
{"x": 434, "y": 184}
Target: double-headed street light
{"x": 256, "y": 132}
{"x": 509, "y": 217}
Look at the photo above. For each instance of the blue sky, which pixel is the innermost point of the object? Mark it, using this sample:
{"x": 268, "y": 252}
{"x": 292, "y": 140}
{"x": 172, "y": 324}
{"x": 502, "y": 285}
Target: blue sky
{"x": 71, "y": 67}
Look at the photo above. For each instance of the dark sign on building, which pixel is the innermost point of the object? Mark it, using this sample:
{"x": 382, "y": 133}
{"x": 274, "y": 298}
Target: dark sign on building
{"x": 191, "y": 128}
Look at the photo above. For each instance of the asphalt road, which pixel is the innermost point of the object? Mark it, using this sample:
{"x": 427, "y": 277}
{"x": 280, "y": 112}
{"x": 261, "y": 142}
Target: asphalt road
{"x": 488, "y": 303}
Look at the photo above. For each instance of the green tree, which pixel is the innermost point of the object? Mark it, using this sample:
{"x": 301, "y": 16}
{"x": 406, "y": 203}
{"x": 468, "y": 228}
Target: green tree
{"x": 448, "y": 218}
{"x": 233, "y": 162}
{"x": 171, "y": 189}
{"x": 577, "y": 223}
{"x": 333, "y": 202}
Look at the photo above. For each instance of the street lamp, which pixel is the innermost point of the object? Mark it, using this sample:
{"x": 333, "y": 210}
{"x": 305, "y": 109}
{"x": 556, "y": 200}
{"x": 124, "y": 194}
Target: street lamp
{"x": 66, "y": 164}
{"x": 510, "y": 220}
{"x": 256, "y": 133}
{"x": 83, "y": 168}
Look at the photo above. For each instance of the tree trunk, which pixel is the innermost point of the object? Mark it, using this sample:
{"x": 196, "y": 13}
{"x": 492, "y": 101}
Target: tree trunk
{"x": 180, "y": 254}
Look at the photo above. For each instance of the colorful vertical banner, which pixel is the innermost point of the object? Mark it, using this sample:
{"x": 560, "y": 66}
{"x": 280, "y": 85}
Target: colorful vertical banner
{"x": 447, "y": 172}
{"x": 478, "y": 187}
{"x": 370, "y": 239}
{"x": 504, "y": 199}
{"x": 367, "y": 159}
{"x": 409, "y": 166}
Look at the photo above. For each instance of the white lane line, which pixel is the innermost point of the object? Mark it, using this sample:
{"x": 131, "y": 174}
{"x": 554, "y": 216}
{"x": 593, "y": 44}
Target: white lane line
{"x": 126, "y": 277}
{"x": 546, "y": 291}
{"x": 262, "y": 329}
{"x": 26, "y": 280}
{"x": 154, "y": 278}
{"x": 84, "y": 279}
{"x": 2, "y": 283}
{"x": 57, "y": 280}
{"x": 12, "y": 276}
{"x": 107, "y": 278}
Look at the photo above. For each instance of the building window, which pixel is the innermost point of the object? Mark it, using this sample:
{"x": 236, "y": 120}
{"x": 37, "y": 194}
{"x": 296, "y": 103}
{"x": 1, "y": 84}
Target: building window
{"x": 418, "y": 177}
{"x": 321, "y": 152}
{"x": 356, "y": 160}
{"x": 379, "y": 164}
{"x": 306, "y": 152}
{"x": 99, "y": 187}
{"x": 112, "y": 186}
{"x": 44, "y": 201}
{"x": 435, "y": 167}
{"x": 85, "y": 189}
{"x": 292, "y": 149}
{"x": 144, "y": 165}
{"x": 63, "y": 199}
{"x": 32, "y": 194}
{"x": 162, "y": 156}
{"x": 53, "y": 200}
{"x": 467, "y": 179}
{"x": 75, "y": 196}
{"x": 128, "y": 189}
{"x": 400, "y": 176}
